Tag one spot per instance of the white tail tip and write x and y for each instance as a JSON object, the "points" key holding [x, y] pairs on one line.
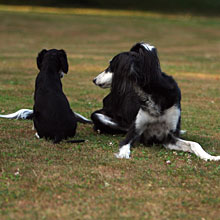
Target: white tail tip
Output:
{"points": [[20, 114]]}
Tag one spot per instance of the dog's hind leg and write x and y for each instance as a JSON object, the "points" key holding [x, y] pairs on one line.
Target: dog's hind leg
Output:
{"points": [[191, 147], [37, 136], [82, 119], [107, 124], [20, 114]]}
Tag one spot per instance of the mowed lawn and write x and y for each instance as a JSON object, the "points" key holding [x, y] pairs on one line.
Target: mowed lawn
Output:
{"points": [[40, 180]]}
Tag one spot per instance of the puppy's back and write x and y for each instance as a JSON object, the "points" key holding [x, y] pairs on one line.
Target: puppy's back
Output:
{"points": [[53, 117]]}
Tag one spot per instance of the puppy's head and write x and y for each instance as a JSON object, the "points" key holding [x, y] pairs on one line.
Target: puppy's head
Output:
{"points": [[57, 58]]}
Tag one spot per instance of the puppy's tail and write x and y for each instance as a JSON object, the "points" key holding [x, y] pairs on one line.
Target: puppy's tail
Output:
{"points": [[191, 147], [20, 114], [82, 119]]}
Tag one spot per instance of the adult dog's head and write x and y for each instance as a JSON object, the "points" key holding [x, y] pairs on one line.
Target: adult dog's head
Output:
{"points": [[55, 59], [140, 65]]}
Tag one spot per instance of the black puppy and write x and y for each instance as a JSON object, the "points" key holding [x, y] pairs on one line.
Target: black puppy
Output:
{"points": [[52, 115]]}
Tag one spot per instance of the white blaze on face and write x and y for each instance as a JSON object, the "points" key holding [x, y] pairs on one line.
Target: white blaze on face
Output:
{"points": [[148, 46], [104, 79]]}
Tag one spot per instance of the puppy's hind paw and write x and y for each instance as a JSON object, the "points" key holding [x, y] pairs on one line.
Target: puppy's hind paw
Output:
{"points": [[37, 136]]}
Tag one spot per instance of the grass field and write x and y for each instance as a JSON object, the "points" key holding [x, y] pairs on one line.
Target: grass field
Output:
{"points": [[39, 180]]}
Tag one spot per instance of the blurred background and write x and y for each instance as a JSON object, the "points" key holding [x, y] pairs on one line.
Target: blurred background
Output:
{"points": [[200, 7]]}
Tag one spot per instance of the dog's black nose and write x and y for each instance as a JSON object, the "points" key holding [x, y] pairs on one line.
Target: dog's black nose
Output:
{"points": [[94, 80]]}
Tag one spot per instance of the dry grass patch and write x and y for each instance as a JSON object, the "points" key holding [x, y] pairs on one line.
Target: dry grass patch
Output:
{"points": [[40, 180]]}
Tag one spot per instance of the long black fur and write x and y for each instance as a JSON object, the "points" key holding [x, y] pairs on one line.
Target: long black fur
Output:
{"points": [[138, 68], [157, 92], [121, 104], [162, 88], [52, 116]]}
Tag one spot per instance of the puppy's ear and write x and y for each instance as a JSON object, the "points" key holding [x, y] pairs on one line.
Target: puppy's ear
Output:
{"points": [[63, 61], [40, 58]]}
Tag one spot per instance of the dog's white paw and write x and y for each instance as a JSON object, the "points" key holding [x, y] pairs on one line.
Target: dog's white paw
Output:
{"points": [[124, 152], [37, 136], [122, 155]]}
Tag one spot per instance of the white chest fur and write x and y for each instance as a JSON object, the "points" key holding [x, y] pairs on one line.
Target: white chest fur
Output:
{"points": [[158, 125]]}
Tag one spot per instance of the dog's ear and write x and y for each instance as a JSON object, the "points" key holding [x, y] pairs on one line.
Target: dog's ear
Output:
{"points": [[134, 67], [40, 58], [63, 61], [125, 68]]}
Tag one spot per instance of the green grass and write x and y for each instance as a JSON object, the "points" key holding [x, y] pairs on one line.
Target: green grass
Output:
{"points": [[86, 181]]}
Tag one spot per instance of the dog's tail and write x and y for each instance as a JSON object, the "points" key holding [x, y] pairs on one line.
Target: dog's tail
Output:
{"points": [[28, 114], [191, 147], [82, 119], [20, 114]]}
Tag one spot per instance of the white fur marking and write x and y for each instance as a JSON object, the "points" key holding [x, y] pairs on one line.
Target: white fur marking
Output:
{"points": [[82, 117], [142, 120], [170, 118], [61, 74], [182, 132], [37, 136], [106, 120], [192, 147], [20, 114], [104, 79], [124, 152], [148, 46]]}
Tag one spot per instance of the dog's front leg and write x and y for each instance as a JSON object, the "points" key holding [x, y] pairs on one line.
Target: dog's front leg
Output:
{"points": [[125, 145], [137, 128]]}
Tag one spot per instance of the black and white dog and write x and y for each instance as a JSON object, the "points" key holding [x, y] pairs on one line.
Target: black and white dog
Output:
{"points": [[153, 103], [53, 118], [119, 107]]}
